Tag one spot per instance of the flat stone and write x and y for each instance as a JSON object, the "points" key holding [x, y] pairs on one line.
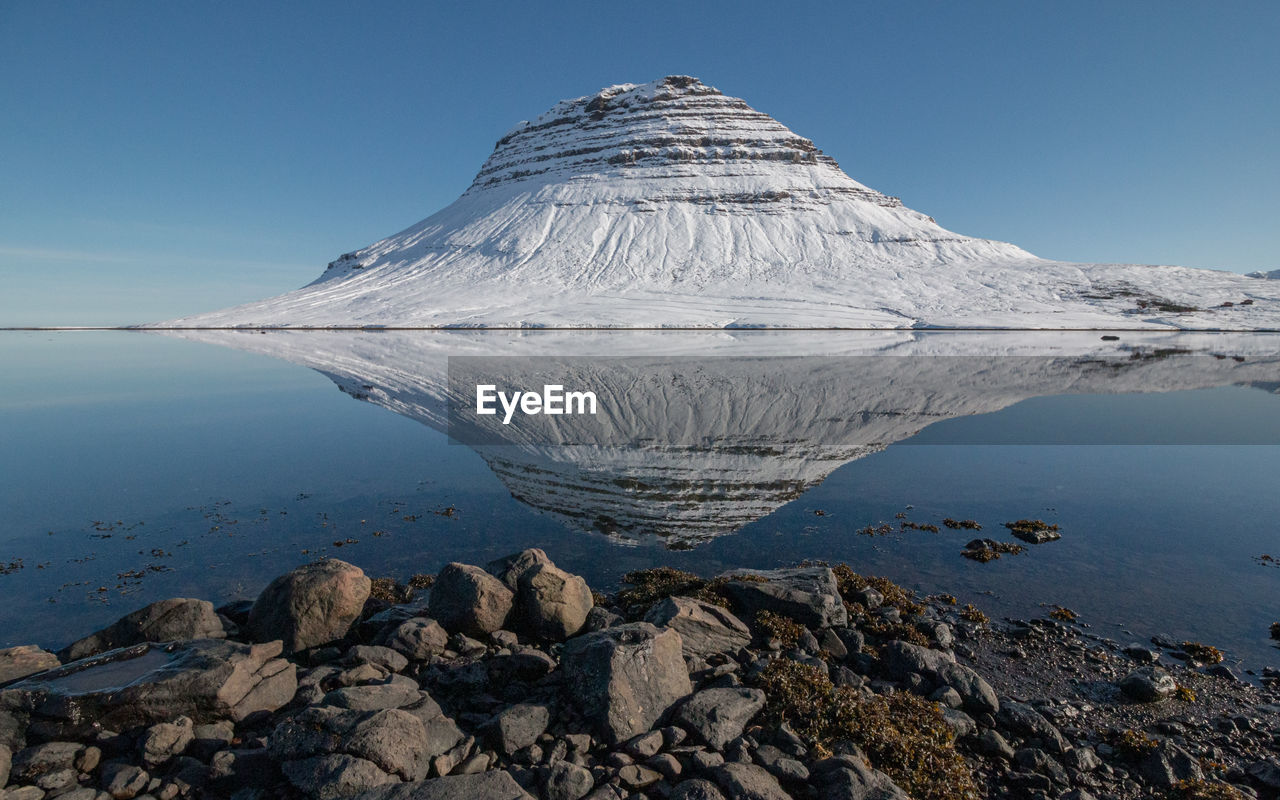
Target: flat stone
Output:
{"points": [[567, 781], [176, 619], [314, 605], [718, 716], [383, 657], [748, 782], [372, 697], [330, 777], [204, 679], [468, 600], [705, 629], [23, 660], [808, 595], [625, 678], [518, 726], [494, 785]]}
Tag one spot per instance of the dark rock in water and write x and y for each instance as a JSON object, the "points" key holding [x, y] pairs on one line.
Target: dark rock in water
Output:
{"points": [[718, 716], [748, 782], [314, 605], [705, 629], [176, 619], [492, 785], [516, 727], [510, 568], [205, 679], [808, 595], [1141, 653], [419, 638], [567, 781], [23, 660], [1148, 684], [552, 604], [468, 600], [331, 777], [696, 789], [625, 678]]}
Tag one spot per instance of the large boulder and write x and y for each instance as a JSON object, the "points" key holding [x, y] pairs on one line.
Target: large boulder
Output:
{"points": [[466, 599], [624, 678], [718, 716], [808, 595], [392, 739], [902, 659], [1148, 684], [314, 605], [205, 679], [492, 785], [508, 569], [176, 619], [705, 629], [551, 603], [23, 660]]}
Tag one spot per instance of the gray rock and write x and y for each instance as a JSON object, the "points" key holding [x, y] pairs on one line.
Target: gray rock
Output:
{"points": [[24, 793], [600, 618], [469, 600], [1036, 760], [1083, 759], [382, 657], [696, 789], [176, 619], [903, 659], [394, 740], [748, 782], [849, 778], [6, 763], [809, 595], [1266, 773], [123, 781], [205, 679], [1024, 720], [781, 765], [23, 660], [637, 776], [1148, 684], [900, 659], [567, 781], [625, 678], [494, 785], [551, 603], [510, 568], [165, 740], [1142, 653], [373, 697], [210, 738], [991, 743], [976, 694], [1168, 764], [718, 716], [314, 605], [518, 726], [330, 777], [705, 629], [32, 763], [527, 664], [960, 723], [645, 745], [419, 638]]}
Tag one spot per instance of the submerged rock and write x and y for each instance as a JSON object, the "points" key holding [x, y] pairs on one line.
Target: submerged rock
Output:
{"points": [[625, 678], [313, 605]]}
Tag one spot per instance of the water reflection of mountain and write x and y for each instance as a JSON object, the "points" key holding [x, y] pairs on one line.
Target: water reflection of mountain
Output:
{"points": [[697, 447]]}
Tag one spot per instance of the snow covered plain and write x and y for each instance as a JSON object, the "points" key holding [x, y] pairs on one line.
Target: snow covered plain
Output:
{"points": [[671, 205]]}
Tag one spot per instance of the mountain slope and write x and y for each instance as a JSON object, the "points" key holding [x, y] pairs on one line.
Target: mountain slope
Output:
{"points": [[670, 204]]}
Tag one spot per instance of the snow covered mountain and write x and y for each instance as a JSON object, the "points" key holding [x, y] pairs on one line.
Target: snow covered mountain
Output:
{"points": [[669, 204]]}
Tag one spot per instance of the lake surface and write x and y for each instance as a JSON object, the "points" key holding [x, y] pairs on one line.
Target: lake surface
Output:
{"points": [[139, 466]]}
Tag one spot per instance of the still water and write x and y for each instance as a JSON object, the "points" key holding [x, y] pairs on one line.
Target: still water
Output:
{"points": [[139, 466]]}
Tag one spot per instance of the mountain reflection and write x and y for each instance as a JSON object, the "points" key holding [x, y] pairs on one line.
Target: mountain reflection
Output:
{"points": [[701, 433]]}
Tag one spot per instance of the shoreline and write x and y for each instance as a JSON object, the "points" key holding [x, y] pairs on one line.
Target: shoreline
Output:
{"points": [[518, 681]]}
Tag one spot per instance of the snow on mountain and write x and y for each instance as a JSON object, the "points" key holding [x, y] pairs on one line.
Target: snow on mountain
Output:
{"points": [[669, 204]]}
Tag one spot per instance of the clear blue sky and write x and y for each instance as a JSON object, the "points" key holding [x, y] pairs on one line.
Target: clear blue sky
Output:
{"points": [[163, 158]]}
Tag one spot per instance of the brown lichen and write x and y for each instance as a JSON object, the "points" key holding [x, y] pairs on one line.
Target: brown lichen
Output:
{"points": [[1063, 614], [1134, 745], [971, 613], [902, 735], [1185, 694], [783, 630]]}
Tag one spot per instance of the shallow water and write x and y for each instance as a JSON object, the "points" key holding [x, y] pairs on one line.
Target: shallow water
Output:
{"points": [[140, 466]]}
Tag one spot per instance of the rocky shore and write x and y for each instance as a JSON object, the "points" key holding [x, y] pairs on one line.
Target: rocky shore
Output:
{"points": [[515, 680]]}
